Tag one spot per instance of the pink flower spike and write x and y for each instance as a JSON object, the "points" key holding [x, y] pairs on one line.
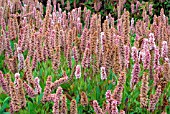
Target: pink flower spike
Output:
{"points": [[164, 50], [127, 55], [108, 95], [3, 82], [97, 108], [102, 40], [150, 9], [29, 90], [134, 53], [135, 74], [147, 58], [103, 73], [78, 71], [152, 41], [37, 86], [132, 8], [156, 57], [114, 109], [17, 76], [145, 44]]}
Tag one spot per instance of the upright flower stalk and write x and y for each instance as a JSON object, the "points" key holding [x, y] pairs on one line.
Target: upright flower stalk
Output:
{"points": [[73, 107], [84, 99], [117, 94], [3, 82], [78, 71], [155, 98], [97, 108], [20, 59], [63, 104], [144, 91], [56, 101], [135, 74], [103, 73]]}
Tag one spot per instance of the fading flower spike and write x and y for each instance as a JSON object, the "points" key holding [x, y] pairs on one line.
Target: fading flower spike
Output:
{"points": [[144, 91], [21, 93], [3, 82], [56, 100], [63, 105], [155, 98], [73, 107], [84, 99], [47, 89]]}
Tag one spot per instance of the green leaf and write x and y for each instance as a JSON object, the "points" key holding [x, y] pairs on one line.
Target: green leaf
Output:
{"points": [[97, 92], [5, 105]]}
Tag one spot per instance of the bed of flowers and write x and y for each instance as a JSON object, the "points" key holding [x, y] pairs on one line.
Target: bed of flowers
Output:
{"points": [[84, 57]]}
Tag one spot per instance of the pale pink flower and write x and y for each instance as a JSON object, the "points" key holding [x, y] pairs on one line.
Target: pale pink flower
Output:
{"points": [[164, 50], [145, 44], [147, 58], [103, 73], [152, 41], [127, 55], [135, 74], [150, 9], [17, 76], [134, 53], [108, 95], [132, 8], [97, 108], [114, 109], [37, 86], [3, 82], [156, 57], [78, 71]]}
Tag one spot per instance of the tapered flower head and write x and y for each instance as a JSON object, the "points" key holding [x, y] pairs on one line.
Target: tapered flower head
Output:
{"points": [[3, 82], [84, 99], [97, 108], [164, 50], [103, 73], [56, 100], [108, 95], [17, 76], [73, 107], [134, 53], [63, 104], [78, 71], [152, 41], [37, 85]]}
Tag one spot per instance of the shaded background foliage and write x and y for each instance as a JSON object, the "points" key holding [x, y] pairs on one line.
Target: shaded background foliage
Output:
{"points": [[110, 6]]}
